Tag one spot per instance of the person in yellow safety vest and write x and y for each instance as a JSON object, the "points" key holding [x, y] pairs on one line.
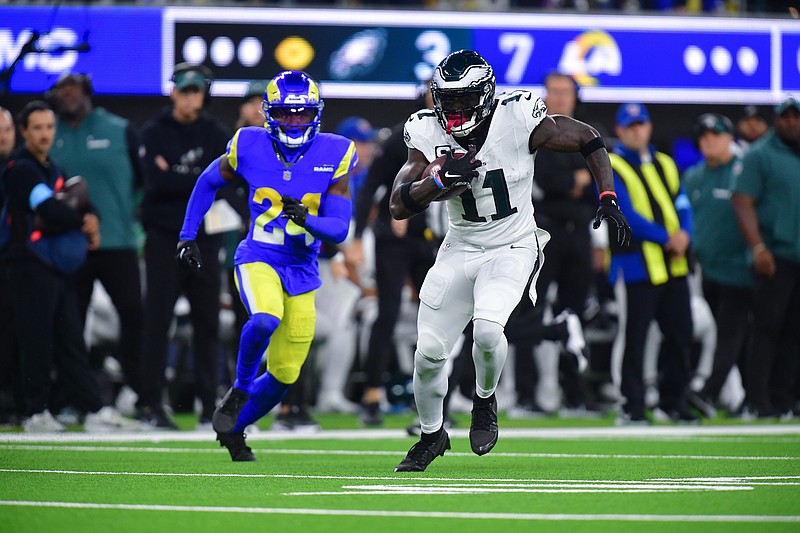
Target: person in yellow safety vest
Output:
{"points": [[653, 268]]}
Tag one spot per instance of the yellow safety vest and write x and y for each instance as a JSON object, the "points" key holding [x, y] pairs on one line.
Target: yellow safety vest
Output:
{"points": [[638, 188]]}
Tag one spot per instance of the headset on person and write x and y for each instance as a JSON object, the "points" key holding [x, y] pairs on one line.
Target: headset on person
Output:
{"points": [[208, 77]]}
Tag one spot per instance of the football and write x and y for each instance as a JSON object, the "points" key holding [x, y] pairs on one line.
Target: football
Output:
{"points": [[75, 193], [450, 192]]}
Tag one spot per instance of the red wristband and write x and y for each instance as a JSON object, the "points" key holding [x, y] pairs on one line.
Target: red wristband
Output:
{"points": [[606, 193]]}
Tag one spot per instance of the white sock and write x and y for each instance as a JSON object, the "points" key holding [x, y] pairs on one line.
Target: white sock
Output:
{"points": [[430, 387], [489, 352]]}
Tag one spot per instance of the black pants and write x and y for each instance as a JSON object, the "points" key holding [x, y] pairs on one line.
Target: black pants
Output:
{"points": [[396, 260], [165, 282], [10, 391], [670, 305], [732, 308], [568, 262], [118, 271], [48, 327], [772, 369]]}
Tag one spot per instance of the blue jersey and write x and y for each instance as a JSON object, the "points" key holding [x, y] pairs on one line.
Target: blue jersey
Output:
{"points": [[281, 243]]}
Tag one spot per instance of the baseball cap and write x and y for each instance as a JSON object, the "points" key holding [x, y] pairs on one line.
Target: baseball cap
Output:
{"points": [[190, 78], [752, 111], [254, 88], [712, 122], [790, 102], [627, 114], [356, 129]]}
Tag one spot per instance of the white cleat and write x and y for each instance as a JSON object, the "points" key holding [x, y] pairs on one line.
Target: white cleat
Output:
{"points": [[43, 422], [575, 342], [109, 419]]}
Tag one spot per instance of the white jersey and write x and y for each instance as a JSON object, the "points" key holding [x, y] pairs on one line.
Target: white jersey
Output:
{"points": [[497, 209]]}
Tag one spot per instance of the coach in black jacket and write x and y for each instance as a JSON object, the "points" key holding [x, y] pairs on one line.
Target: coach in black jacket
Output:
{"points": [[46, 243], [179, 142]]}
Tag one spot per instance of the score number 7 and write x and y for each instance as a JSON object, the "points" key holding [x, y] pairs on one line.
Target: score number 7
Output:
{"points": [[520, 46]]}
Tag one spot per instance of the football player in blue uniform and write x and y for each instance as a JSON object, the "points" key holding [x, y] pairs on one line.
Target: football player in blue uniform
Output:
{"points": [[299, 196]]}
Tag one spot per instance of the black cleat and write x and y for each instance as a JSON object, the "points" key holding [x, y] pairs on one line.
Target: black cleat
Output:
{"points": [[371, 414], [422, 454], [224, 418], [156, 418], [483, 429], [236, 445]]}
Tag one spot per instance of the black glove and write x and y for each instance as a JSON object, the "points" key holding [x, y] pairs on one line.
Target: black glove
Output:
{"points": [[294, 210], [459, 171], [610, 209], [188, 255]]}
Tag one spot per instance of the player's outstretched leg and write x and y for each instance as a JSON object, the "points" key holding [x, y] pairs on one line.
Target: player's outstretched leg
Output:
{"points": [[237, 447], [224, 418], [429, 447], [483, 429]]}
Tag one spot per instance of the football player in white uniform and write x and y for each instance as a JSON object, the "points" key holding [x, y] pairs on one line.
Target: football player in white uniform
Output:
{"points": [[492, 247]]}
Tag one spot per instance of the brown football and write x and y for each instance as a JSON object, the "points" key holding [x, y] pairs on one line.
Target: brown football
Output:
{"points": [[450, 192], [75, 193]]}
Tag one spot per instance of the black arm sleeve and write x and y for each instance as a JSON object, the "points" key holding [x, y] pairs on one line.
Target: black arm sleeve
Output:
{"points": [[57, 217]]}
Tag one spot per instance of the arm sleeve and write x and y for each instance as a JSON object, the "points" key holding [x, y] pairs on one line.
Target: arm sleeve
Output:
{"points": [[641, 228], [24, 183], [201, 199], [134, 154], [333, 221]]}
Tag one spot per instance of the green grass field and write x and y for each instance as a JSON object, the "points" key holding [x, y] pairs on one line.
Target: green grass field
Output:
{"points": [[589, 477]]}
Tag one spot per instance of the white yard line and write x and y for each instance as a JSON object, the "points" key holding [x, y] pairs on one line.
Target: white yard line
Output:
{"points": [[528, 455], [655, 432], [407, 481], [414, 514]]}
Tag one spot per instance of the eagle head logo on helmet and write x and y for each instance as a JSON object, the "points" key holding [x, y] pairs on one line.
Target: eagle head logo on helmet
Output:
{"points": [[462, 87], [293, 109]]}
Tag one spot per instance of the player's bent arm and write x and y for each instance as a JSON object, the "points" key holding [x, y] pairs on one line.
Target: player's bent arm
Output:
{"points": [[216, 175], [411, 192], [561, 133], [333, 221]]}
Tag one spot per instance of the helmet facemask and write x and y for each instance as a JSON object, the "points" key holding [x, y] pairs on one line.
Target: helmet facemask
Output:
{"points": [[462, 87]]}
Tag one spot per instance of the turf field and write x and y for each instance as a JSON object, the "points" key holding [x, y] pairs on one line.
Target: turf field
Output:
{"points": [[591, 478]]}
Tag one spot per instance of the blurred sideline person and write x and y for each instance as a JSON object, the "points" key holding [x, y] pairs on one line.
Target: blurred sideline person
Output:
{"points": [[751, 126], [721, 251], [9, 363], [766, 200], [492, 247], [565, 210], [298, 181], [404, 251], [179, 142], [48, 242], [250, 112], [654, 268], [104, 149]]}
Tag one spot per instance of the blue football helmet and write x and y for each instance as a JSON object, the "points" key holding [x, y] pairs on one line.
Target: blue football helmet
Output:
{"points": [[293, 109]]}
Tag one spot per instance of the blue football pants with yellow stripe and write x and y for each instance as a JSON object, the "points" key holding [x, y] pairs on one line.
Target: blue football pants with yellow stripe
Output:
{"points": [[281, 326]]}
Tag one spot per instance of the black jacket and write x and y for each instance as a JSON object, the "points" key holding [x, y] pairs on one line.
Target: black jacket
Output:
{"points": [[188, 149], [23, 172]]}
